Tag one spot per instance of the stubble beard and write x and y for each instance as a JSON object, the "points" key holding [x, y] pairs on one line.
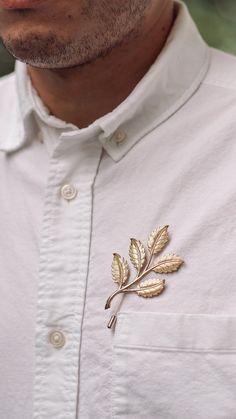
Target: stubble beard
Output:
{"points": [[114, 27]]}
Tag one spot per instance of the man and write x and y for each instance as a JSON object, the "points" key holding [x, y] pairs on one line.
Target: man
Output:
{"points": [[118, 122]]}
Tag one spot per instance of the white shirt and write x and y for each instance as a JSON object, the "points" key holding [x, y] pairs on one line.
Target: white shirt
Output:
{"points": [[166, 155]]}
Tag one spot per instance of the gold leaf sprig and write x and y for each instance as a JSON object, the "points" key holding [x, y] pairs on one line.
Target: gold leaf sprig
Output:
{"points": [[138, 257]]}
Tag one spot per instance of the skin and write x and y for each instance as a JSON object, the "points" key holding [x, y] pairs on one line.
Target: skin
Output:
{"points": [[85, 57]]}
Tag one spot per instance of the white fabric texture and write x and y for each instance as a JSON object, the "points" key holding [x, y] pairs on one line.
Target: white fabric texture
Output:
{"points": [[168, 357]]}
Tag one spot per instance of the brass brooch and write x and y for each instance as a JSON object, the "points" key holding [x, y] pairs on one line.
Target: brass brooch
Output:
{"points": [[138, 257]]}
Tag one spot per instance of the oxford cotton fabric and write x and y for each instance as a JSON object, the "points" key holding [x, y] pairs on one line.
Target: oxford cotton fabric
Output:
{"points": [[171, 357]]}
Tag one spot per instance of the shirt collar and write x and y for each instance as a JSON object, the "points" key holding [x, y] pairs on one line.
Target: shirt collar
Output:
{"points": [[171, 81]]}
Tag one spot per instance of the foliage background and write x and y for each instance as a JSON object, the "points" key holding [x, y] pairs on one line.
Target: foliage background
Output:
{"points": [[216, 20]]}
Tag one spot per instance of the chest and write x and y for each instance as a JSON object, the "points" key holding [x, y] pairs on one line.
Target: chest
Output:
{"points": [[55, 272]]}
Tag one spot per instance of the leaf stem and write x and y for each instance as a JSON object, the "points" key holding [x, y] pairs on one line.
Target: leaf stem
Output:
{"points": [[126, 287]]}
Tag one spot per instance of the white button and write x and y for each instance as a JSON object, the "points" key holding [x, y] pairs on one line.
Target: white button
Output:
{"points": [[57, 339], [68, 192], [120, 137]]}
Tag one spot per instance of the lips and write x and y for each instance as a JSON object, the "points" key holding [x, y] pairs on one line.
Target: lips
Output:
{"points": [[19, 4]]}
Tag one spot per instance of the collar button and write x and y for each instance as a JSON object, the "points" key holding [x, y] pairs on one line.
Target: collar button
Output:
{"points": [[119, 137]]}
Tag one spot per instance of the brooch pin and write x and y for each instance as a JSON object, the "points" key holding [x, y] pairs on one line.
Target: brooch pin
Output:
{"points": [[138, 256]]}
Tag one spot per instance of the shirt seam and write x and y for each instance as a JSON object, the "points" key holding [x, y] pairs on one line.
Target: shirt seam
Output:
{"points": [[174, 349]]}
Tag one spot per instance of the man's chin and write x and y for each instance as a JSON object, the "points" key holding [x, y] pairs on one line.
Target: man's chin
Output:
{"points": [[39, 51]]}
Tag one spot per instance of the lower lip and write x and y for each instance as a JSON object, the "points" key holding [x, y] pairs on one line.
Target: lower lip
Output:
{"points": [[19, 4]]}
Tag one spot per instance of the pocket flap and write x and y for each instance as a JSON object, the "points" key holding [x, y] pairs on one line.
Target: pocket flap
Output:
{"points": [[190, 332]]}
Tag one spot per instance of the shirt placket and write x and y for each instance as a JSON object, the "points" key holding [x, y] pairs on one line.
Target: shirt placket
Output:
{"points": [[64, 260]]}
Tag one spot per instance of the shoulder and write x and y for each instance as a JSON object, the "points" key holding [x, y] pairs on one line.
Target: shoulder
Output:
{"points": [[7, 81], [222, 71], [7, 89], [10, 121]]}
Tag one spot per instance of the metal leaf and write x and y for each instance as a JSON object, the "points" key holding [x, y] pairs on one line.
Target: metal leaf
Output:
{"points": [[120, 269], [168, 264], [158, 239], [137, 254], [151, 288]]}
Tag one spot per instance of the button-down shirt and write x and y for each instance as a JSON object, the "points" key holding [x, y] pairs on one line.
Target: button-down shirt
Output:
{"points": [[71, 197]]}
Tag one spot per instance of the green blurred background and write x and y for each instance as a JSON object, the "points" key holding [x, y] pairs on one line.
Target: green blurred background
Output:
{"points": [[216, 20]]}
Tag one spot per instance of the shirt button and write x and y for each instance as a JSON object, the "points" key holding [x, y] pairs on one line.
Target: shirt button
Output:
{"points": [[120, 137], [57, 339], [68, 192]]}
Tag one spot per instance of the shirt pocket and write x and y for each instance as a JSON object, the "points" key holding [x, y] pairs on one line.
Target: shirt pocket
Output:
{"points": [[174, 366]]}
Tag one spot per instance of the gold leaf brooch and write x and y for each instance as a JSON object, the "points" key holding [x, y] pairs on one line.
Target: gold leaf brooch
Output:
{"points": [[138, 257]]}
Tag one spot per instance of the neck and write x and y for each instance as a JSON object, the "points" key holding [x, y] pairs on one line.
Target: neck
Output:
{"points": [[80, 95]]}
